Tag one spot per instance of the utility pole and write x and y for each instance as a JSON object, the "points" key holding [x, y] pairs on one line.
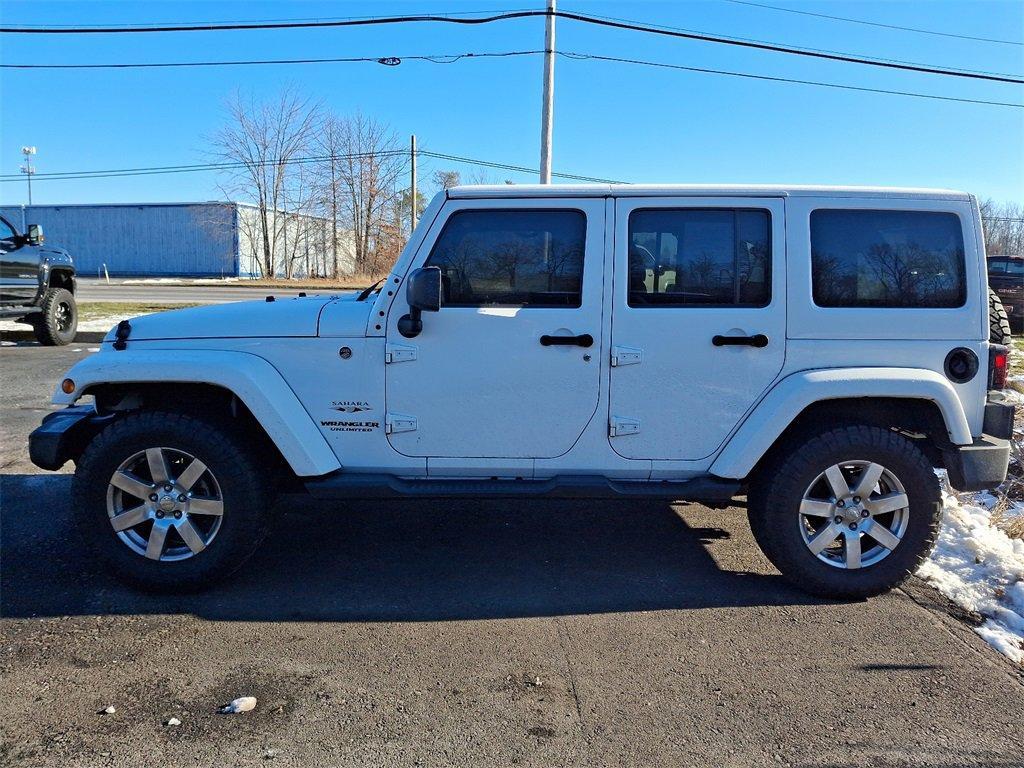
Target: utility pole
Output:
{"points": [[548, 99], [27, 168], [412, 187]]}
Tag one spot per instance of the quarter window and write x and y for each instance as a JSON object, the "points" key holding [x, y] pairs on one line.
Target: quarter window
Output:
{"points": [[512, 258], [864, 258], [699, 257]]}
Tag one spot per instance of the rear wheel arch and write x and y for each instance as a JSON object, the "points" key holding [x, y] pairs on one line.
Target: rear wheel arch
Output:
{"points": [[918, 419]]}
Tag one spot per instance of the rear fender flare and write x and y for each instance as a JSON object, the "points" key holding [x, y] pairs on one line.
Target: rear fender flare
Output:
{"points": [[790, 396], [250, 378]]}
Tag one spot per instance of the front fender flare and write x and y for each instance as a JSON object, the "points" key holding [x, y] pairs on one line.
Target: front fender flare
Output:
{"points": [[790, 396], [250, 378]]}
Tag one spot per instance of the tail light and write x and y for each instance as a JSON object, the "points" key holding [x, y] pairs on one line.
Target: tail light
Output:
{"points": [[998, 365]]}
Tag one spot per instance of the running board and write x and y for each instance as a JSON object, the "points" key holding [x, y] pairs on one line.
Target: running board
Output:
{"points": [[712, 491]]}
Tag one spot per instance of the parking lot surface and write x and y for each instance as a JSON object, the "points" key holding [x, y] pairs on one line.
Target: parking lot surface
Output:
{"points": [[482, 633]]}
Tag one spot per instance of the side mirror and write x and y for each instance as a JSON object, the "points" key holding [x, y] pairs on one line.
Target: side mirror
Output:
{"points": [[423, 292], [34, 235]]}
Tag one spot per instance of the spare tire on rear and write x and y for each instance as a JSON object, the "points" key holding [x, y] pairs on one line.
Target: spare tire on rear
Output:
{"points": [[998, 320]]}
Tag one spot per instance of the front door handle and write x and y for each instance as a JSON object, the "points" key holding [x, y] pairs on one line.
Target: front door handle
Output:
{"points": [[583, 340], [758, 340]]}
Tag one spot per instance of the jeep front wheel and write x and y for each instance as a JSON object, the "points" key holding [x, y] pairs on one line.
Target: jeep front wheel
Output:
{"points": [[57, 324], [171, 502], [849, 513]]}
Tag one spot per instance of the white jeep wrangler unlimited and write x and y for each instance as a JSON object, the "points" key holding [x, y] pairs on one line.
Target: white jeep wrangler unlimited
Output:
{"points": [[817, 350]]}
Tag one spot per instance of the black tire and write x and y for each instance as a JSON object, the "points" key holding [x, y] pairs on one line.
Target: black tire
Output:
{"points": [[778, 490], [241, 480], [58, 322], [998, 320]]}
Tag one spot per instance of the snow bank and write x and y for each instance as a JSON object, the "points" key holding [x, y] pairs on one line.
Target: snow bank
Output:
{"points": [[979, 567]]}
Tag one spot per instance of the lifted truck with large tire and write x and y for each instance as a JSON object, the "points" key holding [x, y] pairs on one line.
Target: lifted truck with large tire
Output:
{"points": [[819, 351], [37, 285]]}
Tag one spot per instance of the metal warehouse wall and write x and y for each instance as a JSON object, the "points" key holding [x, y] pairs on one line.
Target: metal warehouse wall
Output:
{"points": [[145, 239]]}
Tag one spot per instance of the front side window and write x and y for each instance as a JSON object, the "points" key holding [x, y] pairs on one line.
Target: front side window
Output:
{"points": [[512, 258], [683, 257], [864, 258], [6, 231]]}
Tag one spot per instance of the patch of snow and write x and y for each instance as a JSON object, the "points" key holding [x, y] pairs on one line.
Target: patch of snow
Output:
{"points": [[102, 324], [980, 568]]}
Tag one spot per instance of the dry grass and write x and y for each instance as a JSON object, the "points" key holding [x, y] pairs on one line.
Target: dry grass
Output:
{"points": [[348, 282]]}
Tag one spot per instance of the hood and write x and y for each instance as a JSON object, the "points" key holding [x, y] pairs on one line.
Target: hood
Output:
{"points": [[284, 317]]}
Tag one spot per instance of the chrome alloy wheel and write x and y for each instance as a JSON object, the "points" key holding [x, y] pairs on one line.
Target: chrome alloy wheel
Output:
{"points": [[63, 317], [854, 514], [165, 504]]}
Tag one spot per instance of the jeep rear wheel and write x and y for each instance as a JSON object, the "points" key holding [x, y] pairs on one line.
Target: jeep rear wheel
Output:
{"points": [[57, 324], [849, 513], [171, 502]]}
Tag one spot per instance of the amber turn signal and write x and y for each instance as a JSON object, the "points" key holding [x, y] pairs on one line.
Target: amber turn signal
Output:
{"points": [[67, 386]]}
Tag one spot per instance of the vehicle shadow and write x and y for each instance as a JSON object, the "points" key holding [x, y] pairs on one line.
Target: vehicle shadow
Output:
{"points": [[406, 560]]}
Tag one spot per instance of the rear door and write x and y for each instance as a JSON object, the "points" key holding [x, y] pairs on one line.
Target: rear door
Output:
{"points": [[698, 320]]}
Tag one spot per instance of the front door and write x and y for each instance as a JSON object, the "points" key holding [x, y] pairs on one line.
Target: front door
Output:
{"points": [[698, 320], [19, 266], [509, 367]]}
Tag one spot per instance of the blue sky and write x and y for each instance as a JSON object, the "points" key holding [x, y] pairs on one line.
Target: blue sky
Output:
{"points": [[611, 120]]}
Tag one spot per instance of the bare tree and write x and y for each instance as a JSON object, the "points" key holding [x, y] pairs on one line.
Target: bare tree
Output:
{"points": [[330, 190], [370, 163], [1004, 227], [264, 140]]}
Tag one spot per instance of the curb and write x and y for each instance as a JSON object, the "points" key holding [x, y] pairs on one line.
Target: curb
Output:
{"points": [[82, 337]]}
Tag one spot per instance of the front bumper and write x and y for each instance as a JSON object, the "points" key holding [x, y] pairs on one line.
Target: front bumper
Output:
{"points": [[982, 465], [63, 435]]}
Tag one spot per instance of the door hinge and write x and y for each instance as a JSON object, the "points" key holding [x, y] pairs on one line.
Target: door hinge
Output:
{"points": [[618, 426], [399, 353], [397, 422], [626, 356]]}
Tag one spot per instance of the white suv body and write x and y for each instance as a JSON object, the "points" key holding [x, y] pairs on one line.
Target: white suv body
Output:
{"points": [[593, 340]]}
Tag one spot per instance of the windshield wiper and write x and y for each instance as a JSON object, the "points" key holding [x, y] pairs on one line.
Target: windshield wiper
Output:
{"points": [[362, 296]]}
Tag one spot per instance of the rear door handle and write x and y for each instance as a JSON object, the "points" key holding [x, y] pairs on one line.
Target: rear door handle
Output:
{"points": [[583, 340], [757, 340]]}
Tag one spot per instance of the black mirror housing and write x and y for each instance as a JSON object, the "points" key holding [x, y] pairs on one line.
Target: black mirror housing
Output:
{"points": [[34, 236], [423, 292]]}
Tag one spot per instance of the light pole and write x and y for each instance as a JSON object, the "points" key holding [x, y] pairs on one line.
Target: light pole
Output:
{"points": [[27, 168], [548, 99]]}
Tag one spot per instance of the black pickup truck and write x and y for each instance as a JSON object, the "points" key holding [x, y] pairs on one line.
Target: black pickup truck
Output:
{"points": [[37, 284]]}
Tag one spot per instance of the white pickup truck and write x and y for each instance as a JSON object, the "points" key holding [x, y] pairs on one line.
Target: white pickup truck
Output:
{"points": [[817, 350]]}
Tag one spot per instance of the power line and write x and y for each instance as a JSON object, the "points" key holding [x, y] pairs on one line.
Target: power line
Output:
{"points": [[206, 167], [582, 18], [876, 23], [794, 47], [258, 21], [452, 58], [817, 83], [391, 61]]}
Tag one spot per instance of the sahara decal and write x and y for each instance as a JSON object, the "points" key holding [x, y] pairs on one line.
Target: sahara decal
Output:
{"points": [[350, 406]]}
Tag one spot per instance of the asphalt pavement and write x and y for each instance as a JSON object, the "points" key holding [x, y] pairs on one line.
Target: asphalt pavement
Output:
{"points": [[471, 633]]}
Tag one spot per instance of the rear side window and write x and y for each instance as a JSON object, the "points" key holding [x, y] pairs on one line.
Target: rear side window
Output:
{"points": [[512, 258], [864, 258], [682, 257]]}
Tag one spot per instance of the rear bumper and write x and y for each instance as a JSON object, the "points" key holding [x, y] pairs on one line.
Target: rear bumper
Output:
{"points": [[63, 435], [980, 466]]}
